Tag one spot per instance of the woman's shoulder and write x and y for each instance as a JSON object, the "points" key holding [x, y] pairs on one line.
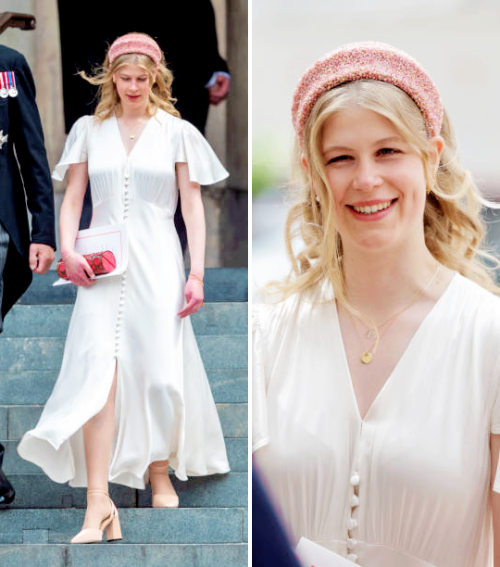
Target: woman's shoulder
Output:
{"points": [[175, 127], [83, 123], [165, 118], [176, 123], [475, 297], [87, 124], [271, 312], [474, 308]]}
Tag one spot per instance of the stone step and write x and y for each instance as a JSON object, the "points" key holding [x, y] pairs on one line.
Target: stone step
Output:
{"points": [[53, 320], [237, 453], [35, 386], [38, 491], [19, 354], [143, 526], [16, 420], [122, 555], [221, 284]]}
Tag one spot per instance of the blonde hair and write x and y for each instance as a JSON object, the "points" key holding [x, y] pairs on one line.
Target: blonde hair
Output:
{"points": [[160, 93], [453, 228]]}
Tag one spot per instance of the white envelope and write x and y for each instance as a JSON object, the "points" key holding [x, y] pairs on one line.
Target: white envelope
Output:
{"points": [[312, 554], [110, 237]]}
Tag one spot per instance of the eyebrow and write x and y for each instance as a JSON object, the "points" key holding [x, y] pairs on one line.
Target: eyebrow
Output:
{"points": [[377, 143]]}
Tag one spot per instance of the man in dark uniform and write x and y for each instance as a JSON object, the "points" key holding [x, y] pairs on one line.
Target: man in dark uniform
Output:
{"points": [[24, 180], [270, 544]]}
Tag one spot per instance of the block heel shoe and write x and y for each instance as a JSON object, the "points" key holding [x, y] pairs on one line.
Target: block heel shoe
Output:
{"points": [[110, 525]]}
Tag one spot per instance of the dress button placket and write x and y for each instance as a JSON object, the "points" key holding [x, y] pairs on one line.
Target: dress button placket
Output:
{"points": [[352, 523], [121, 303]]}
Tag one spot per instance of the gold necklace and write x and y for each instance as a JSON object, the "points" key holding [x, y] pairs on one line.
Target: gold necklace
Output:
{"points": [[367, 355], [131, 131]]}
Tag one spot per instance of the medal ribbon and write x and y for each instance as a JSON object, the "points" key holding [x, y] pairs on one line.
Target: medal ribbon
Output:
{"points": [[12, 80], [3, 82]]}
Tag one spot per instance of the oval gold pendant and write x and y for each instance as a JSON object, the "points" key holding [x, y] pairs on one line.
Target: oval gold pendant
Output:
{"points": [[366, 357]]}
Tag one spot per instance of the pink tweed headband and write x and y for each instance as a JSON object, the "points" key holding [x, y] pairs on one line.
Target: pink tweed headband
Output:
{"points": [[367, 60], [135, 43]]}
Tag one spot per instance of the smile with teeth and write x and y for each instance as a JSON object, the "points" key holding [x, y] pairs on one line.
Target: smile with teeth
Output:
{"points": [[370, 209]]}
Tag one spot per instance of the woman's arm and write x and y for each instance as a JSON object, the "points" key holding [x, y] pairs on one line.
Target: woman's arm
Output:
{"points": [[77, 267], [495, 497], [194, 217]]}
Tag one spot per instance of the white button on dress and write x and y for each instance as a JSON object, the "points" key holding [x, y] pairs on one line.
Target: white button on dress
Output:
{"points": [[164, 407], [408, 486]]}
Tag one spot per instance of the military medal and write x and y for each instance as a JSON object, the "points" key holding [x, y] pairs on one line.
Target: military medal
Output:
{"points": [[12, 84], [4, 93]]}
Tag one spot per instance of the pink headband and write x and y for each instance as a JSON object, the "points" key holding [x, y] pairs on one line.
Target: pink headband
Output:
{"points": [[367, 60], [135, 43]]}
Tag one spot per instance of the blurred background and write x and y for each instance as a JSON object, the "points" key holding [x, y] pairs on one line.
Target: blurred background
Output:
{"points": [[456, 41]]}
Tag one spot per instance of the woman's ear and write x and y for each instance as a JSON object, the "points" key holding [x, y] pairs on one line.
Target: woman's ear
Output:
{"points": [[437, 146], [304, 163], [153, 76]]}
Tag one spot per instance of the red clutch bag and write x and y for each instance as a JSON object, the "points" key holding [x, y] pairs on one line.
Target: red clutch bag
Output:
{"points": [[100, 262]]}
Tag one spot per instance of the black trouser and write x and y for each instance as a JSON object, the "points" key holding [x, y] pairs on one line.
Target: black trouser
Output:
{"points": [[4, 247]]}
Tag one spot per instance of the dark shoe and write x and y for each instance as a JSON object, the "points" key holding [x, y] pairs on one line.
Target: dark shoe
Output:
{"points": [[7, 493]]}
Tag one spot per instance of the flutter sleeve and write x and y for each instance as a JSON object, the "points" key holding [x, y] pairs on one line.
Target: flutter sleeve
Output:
{"points": [[192, 148], [260, 433], [75, 149]]}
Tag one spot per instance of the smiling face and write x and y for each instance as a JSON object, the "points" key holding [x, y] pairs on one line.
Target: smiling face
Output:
{"points": [[376, 178], [132, 85]]}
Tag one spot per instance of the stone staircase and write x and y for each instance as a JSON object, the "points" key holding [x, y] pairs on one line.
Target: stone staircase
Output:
{"points": [[210, 527]]}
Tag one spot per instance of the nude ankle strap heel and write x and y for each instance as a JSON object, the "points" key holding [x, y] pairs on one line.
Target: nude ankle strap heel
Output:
{"points": [[113, 530], [111, 524]]}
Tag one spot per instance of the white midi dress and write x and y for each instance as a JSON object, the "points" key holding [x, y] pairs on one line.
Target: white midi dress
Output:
{"points": [[408, 485], [164, 408]]}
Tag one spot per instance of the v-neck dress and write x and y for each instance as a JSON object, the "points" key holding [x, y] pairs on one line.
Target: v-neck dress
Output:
{"points": [[407, 486], [164, 408]]}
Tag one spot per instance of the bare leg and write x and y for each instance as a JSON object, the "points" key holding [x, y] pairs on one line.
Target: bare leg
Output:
{"points": [[97, 437], [164, 495]]}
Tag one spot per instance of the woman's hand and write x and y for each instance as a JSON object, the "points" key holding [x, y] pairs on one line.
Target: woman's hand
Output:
{"points": [[193, 292], [78, 270]]}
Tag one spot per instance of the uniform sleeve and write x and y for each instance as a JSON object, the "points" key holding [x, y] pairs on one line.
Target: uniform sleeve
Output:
{"points": [[27, 134], [260, 432], [192, 148], [75, 149]]}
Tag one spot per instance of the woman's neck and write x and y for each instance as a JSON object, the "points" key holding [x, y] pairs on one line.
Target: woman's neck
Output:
{"points": [[379, 283], [130, 114]]}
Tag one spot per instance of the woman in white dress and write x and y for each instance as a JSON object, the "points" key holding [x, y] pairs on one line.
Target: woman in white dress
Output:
{"points": [[377, 366], [132, 396]]}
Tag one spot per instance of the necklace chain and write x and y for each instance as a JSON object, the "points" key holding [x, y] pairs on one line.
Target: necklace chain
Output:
{"points": [[374, 330], [132, 130]]}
